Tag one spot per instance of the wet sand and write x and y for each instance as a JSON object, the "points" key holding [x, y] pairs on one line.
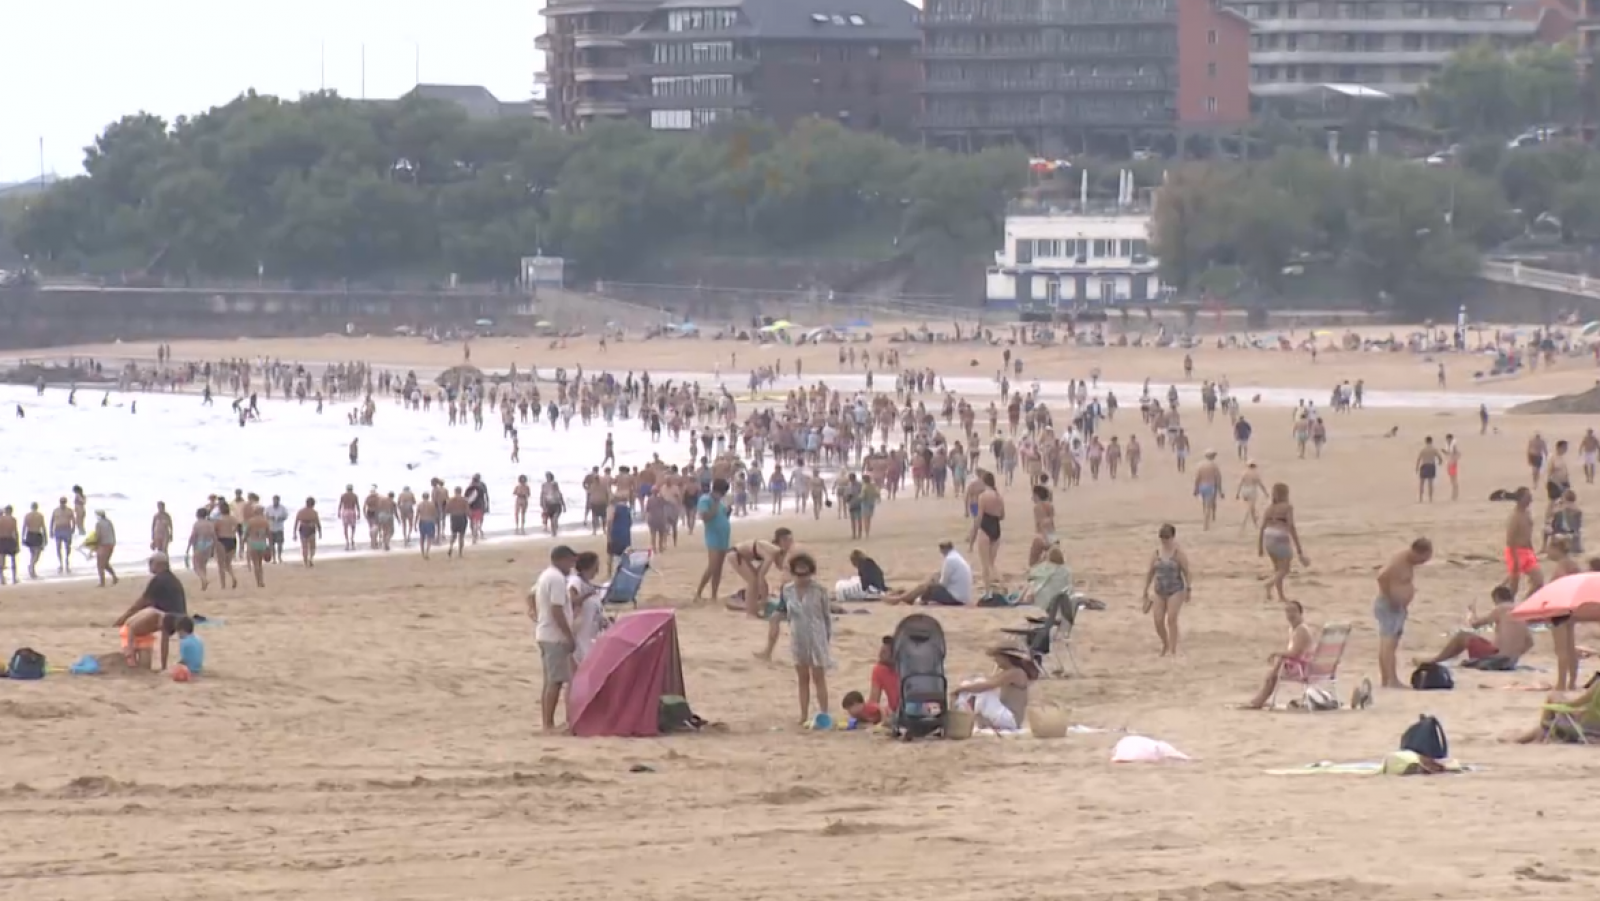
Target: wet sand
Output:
{"points": [[371, 729]]}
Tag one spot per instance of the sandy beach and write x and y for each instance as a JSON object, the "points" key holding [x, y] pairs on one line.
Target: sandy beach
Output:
{"points": [[369, 729]]}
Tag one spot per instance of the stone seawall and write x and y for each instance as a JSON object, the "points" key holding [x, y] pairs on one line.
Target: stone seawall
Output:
{"points": [[48, 317]]}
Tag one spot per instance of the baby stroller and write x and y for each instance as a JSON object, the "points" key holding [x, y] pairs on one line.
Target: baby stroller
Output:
{"points": [[918, 647]]}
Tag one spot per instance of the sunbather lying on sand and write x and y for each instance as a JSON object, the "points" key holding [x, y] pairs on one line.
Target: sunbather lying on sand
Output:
{"points": [[1511, 637]]}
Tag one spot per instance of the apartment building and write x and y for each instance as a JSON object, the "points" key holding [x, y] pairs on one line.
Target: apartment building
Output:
{"points": [[586, 59], [1392, 46], [1062, 76], [684, 64]]}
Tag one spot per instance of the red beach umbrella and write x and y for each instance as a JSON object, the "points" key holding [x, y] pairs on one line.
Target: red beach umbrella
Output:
{"points": [[1577, 596]]}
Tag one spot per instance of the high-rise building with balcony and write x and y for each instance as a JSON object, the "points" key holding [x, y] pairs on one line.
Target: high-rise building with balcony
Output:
{"points": [[586, 59], [1064, 76], [1393, 46], [851, 61], [682, 64]]}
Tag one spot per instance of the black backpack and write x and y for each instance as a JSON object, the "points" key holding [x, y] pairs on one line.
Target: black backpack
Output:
{"points": [[26, 663], [1432, 677], [1426, 737]]}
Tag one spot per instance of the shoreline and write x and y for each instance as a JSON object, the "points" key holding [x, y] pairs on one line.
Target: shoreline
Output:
{"points": [[1053, 389]]}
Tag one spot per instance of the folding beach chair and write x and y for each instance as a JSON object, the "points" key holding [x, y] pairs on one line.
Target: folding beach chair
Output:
{"points": [[628, 579], [1568, 723], [1048, 637], [1321, 668]]}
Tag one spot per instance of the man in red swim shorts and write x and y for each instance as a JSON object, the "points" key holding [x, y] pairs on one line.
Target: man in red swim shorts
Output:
{"points": [[1521, 560]]}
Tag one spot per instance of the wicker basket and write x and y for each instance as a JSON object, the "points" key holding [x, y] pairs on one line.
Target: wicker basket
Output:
{"points": [[958, 724], [1047, 721]]}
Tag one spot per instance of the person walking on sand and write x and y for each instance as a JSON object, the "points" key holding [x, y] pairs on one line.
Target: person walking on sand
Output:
{"points": [[427, 523], [991, 513], [1208, 487], [1279, 539], [308, 529], [1589, 453], [33, 536], [161, 529], [1397, 588], [202, 544], [62, 529], [1169, 576], [10, 544], [105, 543], [713, 512], [1520, 557], [1452, 465], [1427, 468], [257, 543], [459, 510], [1250, 488], [349, 515]]}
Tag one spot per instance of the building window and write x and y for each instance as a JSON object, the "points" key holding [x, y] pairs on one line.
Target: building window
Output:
{"points": [[1102, 247], [685, 119], [678, 52], [701, 19], [1211, 37], [1211, 104], [1211, 70], [693, 86]]}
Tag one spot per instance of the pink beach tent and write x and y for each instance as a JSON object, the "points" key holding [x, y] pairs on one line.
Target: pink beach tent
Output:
{"points": [[618, 687]]}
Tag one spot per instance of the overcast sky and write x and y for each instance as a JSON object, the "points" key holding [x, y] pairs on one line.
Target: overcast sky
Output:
{"points": [[68, 71]]}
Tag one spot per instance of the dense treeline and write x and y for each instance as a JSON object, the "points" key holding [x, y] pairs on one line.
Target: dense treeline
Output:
{"points": [[1408, 233], [329, 188]]}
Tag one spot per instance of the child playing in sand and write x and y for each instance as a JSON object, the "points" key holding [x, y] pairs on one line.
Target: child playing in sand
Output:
{"points": [[191, 650], [860, 711]]}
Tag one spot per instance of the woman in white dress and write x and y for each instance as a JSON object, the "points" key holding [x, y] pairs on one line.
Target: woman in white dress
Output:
{"points": [[587, 604], [804, 603]]}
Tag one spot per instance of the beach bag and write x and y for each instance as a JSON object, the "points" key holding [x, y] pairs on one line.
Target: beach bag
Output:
{"points": [[1426, 737], [674, 716], [1432, 677], [26, 663]]}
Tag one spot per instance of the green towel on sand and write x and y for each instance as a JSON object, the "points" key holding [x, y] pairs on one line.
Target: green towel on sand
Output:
{"points": [[1397, 763]]}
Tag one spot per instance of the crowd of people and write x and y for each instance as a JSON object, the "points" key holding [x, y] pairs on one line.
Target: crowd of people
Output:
{"points": [[799, 453]]}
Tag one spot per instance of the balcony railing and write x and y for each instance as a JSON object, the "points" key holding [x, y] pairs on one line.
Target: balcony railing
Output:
{"points": [[973, 120], [1106, 83], [1350, 57], [1074, 50], [600, 73], [696, 101], [1108, 15], [1436, 25], [700, 67]]}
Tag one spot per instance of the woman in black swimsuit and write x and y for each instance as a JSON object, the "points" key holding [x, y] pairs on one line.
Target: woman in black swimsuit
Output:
{"points": [[991, 511], [752, 559]]}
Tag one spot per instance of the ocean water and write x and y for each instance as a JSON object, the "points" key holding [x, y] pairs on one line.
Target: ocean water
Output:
{"points": [[176, 450]]}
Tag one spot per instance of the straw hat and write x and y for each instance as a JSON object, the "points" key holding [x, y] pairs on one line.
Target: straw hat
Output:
{"points": [[1020, 657]]}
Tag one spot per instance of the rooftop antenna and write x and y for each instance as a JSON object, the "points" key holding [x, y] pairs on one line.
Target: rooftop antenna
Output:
{"points": [[416, 73], [1083, 188], [322, 69]]}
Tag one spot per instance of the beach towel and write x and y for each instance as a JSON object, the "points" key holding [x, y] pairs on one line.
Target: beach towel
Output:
{"points": [[1397, 763], [850, 590]]}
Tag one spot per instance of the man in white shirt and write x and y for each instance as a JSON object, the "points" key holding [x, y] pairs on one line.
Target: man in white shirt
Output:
{"points": [[277, 515], [552, 616], [952, 587]]}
